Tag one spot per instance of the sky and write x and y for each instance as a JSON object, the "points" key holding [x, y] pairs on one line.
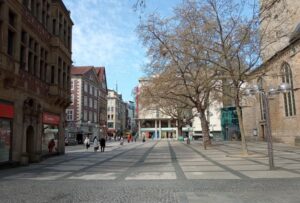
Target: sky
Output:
{"points": [[104, 34]]}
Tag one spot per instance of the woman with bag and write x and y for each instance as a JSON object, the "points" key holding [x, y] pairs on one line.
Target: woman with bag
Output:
{"points": [[95, 144], [87, 142]]}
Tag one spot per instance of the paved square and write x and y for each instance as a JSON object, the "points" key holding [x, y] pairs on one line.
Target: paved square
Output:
{"points": [[152, 176], [210, 175]]}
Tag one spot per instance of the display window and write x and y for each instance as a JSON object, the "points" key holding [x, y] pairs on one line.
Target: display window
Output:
{"points": [[50, 133], [5, 139], [49, 139]]}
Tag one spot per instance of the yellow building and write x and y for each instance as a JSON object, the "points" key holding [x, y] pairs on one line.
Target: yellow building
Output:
{"points": [[35, 64]]}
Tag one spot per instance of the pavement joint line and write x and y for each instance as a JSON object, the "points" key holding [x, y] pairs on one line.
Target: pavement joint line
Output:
{"points": [[179, 172], [133, 168], [292, 159], [262, 163], [43, 165], [100, 162], [240, 175]]}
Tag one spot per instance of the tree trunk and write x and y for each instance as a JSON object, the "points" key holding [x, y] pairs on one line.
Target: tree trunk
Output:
{"points": [[241, 125], [205, 129], [179, 128]]}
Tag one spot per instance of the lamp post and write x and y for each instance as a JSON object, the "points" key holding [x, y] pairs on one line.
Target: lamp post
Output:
{"points": [[282, 88]]}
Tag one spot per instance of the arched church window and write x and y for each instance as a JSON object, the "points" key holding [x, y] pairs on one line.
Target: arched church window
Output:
{"points": [[261, 84], [288, 97]]}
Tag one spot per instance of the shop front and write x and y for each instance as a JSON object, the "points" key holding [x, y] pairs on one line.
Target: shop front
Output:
{"points": [[50, 133], [6, 120]]}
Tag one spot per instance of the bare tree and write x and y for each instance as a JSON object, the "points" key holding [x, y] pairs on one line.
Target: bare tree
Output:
{"points": [[218, 40], [174, 47], [232, 43]]}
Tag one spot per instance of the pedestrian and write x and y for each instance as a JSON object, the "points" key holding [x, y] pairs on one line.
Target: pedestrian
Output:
{"points": [[102, 144], [95, 144], [121, 140], [51, 145], [87, 142], [144, 139], [128, 138]]}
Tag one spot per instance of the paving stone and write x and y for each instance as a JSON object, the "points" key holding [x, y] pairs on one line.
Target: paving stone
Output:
{"points": [[202, 168], [39, 176], [210, 175], [270, 174], [252, 167], [152, 176], [95, 176]]}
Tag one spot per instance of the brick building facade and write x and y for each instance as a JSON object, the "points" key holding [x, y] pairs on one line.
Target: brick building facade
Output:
{"points": [[35, 63], [85, 115]]}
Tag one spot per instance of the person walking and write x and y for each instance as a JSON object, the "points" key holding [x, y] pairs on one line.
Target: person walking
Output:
{"points": [[102, 144], [51, 145], [95, 144], [87, 142]]}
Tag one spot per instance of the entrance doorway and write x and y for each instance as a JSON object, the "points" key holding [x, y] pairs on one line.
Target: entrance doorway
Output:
{"points": [[262, 132], [30, 141], [79, 138]]}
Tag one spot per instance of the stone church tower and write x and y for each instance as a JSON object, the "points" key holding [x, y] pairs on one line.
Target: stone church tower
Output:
{"points": [[280, 36], [279, 20]]}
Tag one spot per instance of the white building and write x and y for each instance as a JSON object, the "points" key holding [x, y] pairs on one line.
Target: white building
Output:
{"points": [[153, 124], [116, 113]]}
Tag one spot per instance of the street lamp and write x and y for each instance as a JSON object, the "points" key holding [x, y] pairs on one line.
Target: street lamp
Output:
{"points": [[255, 89]]}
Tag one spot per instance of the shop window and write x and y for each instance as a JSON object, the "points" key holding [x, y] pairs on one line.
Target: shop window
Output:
{"points": [[5, 140], [50, 135]]}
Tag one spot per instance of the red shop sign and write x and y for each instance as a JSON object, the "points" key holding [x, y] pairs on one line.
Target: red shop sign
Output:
{"points": [[6, 110], [50, 118]]}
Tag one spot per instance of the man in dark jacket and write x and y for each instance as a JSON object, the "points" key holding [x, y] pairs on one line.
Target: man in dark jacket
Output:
{"points": [[102, 144]]}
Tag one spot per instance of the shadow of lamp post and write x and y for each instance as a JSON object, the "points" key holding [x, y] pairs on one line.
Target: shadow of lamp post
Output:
{"points": [[255, 89]]}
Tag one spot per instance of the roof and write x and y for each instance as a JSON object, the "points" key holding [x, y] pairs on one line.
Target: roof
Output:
{"points": [[80, 70], [295, 34], [100, 72]]}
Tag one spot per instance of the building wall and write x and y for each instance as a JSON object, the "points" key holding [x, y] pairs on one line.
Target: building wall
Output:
{"points": [[115, 101], [34, 74], [284, 128], [214, 119], [279, 22]]}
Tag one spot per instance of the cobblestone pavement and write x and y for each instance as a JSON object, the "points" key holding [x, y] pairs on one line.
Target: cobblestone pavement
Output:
{"points": [[158, 171]]}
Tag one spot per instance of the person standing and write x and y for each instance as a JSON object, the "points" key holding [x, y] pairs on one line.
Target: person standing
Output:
{"points": [[87, 142], [95, 144], [51, 145], [102, 144]]}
